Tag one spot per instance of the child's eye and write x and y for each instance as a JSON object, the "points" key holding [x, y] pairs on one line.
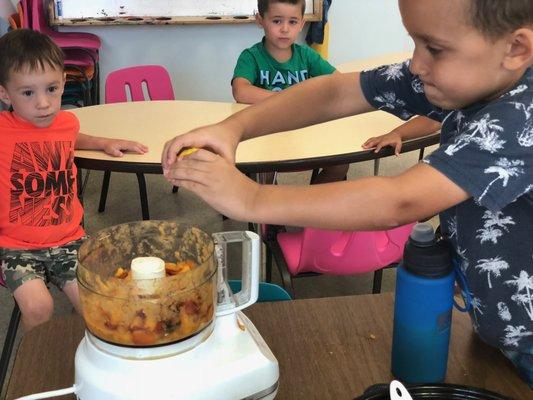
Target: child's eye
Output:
{"points": [[52, 89], [293, 22], [276, 21], [432, 50], [27, 93]]}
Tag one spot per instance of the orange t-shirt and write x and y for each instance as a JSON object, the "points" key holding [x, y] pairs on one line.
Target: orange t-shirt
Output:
{"points": [[39, 206]]}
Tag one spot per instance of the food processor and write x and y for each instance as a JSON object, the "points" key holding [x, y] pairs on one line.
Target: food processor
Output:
{"points": [[161, 320]]}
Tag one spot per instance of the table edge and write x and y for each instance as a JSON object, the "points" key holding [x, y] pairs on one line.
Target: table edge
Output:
{"points": [[264, 166]]}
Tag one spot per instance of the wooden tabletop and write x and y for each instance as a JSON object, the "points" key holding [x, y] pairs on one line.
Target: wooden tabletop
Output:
{"points": [[155, 122], [330, 348]]}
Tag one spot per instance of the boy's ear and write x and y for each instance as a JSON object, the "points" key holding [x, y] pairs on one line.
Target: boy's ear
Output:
{"points": [[520, 49], [258, 20], [4, 96]]}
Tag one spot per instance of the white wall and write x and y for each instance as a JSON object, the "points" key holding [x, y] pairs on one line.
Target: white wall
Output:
{"points": [[365, 28], [6, 9], [201, 58]]}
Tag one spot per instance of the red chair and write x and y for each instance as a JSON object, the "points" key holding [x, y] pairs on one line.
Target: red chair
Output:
{"points": [[317, 251], [131, 80], [9, 341]]}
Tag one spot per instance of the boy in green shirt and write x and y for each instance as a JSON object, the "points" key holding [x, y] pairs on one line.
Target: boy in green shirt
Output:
{"points": [[277, 62]]}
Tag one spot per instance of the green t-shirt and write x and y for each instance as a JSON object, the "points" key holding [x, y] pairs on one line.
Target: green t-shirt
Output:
{"points": [[262, 70]]}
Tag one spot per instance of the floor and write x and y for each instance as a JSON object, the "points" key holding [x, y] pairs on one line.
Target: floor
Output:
{"points": [[123, 205]]}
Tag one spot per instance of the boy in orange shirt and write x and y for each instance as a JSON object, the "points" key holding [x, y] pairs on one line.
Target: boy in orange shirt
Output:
{"points": [[40, 213]]}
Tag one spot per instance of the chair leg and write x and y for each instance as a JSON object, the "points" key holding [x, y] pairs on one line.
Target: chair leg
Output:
{"points": [[421, 154], [314, 175], [376, 167], [286, 278], [376, 285], [144, 196], [9, 342], [268, 264], [103, 193]]}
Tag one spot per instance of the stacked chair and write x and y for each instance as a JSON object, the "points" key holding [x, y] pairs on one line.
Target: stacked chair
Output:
{"points": [[81, 54]]}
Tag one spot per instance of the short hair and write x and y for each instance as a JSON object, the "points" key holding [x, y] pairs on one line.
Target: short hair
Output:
{"points": [[495, 18], [24, 48], [262, 5]]}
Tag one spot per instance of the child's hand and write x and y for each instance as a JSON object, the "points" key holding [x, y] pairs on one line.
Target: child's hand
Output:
{"points": [[219, 138], [117, 147], [216, 181], [392, 139]]}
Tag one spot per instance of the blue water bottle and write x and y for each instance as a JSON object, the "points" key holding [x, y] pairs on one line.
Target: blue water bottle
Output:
{"points": [[423, 309]]}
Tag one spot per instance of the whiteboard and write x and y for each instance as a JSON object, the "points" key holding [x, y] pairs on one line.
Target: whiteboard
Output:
{"points": [[72, 9]]}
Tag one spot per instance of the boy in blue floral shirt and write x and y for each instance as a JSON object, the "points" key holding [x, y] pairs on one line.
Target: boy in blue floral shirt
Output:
{"points": [[472, 71]]}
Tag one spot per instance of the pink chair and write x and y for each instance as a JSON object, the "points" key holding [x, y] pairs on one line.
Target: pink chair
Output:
{"points": [[64, 40], [318, 251], [155, 77], [118, 83], [81, 49]]}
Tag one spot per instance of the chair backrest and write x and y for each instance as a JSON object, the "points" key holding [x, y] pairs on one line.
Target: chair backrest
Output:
{"points": [[37, 16], [346, 253], [23, 8], [155, 77]]}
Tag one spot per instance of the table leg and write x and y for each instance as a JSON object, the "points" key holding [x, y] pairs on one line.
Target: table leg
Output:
{"points": [[144, 196]]}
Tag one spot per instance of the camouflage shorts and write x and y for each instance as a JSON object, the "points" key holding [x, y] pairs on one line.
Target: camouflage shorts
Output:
{"points": [[56, 265]]}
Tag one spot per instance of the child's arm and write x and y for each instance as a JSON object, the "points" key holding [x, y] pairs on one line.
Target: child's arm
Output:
{"points": [[412, 129], [310, 102], [113, 147], [246, 93], [372, 203]]}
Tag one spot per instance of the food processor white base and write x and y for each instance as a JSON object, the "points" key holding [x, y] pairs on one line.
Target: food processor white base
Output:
{"points": [[234, 362]]}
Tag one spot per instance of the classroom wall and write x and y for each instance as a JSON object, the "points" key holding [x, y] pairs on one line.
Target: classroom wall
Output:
{"points": [[6, 8], [201, 58]]}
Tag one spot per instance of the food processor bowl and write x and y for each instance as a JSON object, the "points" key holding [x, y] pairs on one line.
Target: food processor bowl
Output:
{"points": [[128, 307]]}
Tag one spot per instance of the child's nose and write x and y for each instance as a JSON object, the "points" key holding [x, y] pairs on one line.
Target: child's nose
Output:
{"points": [[417, 65], [43, 101]]}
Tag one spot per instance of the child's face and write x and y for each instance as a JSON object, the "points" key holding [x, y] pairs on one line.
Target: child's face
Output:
{"points": [[282, 23], [34, 95], [457, 64]]}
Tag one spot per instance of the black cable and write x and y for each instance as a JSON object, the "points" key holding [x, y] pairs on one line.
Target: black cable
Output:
{"points": [[436, 391]]}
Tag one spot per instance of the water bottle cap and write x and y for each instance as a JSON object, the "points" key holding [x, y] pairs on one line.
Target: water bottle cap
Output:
{"points": [[424, 256], [422, 235]]}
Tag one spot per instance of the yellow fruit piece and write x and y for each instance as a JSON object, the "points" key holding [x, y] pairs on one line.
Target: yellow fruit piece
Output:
{"points": [[188, 151]]}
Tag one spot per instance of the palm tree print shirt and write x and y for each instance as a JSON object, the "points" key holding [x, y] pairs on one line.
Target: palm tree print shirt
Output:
{"points": [[486, 149]]}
